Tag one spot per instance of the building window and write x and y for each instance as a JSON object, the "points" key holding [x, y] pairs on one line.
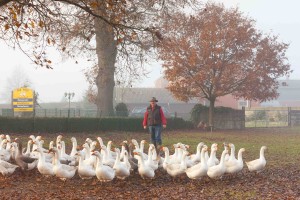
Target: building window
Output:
{"points": [[284, 84]]}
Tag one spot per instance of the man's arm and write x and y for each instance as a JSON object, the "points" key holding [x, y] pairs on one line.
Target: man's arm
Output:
{"points": [[163, 118], [145, 119]]}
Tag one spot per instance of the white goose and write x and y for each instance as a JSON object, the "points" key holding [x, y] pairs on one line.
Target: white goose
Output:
{"points": [[142, 146], [259, 164], [74, 146], [8, 143], [87, 155], [232, 154], [123, 149], [226, 148], [89, 141], [45, 168], [121, 169], [93, 145], [136, 147], [51, 145], [6, 168], [167, 157], [235, 166], [2, 136], [150, 162], [197, 157], [145, 171], [62, 171], [85, 171], [64, 157], [177, 169], [101, 143], [4, 154], [104, 173], [28, 148], [32, 137], [136, 144], [212, 160], [199, 170], [111, 154], [217, 171], [24, 162], [107, 160]]}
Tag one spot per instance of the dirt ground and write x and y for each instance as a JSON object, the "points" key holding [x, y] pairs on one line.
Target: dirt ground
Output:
{"points": [[275, 182], [270, 184]]}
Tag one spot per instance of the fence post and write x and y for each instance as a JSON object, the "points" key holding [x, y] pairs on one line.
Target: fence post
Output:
{"points": [[289, 117], [244, 117], [255, 115]]}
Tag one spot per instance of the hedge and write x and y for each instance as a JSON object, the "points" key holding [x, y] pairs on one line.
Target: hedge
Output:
{"points": [[54, 125]]}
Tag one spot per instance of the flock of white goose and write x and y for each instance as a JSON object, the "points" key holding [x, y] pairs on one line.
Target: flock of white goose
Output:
{"points": [[107, 163]]}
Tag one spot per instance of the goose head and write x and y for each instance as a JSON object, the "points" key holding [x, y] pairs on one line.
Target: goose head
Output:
{"points": [[204, 148], [59, 137], [135, 143], [39, 138], [264, 148], [89, 141], [242, 150], [137, 153], [42, 142], [86, 146], [231, 146], [8, 138], [93, 145], [214, 147], [226, 145], [100, 141], [51, 144], [32, 137], [30, 142], [73, 139]]}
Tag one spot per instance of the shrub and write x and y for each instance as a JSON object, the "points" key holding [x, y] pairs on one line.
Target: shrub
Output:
{"points": [[121, 110], [199, 113]]}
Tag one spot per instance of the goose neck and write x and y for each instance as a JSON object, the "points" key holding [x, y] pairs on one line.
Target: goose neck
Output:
{"points": [[240, 156], [262, 153], [202, 159], [223, 157]]}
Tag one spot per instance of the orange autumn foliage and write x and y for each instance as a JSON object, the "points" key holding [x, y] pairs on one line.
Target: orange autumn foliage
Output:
{"points": [[218, 51]]}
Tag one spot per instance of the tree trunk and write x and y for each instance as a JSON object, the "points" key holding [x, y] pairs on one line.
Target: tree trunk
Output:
{"points": [[106, 49], [211, 113]]}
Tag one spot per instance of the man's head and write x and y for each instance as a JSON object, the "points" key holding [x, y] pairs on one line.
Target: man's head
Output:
{"points": [[153, 101]]}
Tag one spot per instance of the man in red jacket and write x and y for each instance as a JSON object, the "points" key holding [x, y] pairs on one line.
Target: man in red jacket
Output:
{"points": [[155, 119]]}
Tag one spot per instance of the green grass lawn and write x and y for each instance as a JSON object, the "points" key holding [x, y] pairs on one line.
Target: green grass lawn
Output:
{"points": [[283, 143]]}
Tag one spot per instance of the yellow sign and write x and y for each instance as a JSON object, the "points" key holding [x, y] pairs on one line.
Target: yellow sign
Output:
{"points": [[23, 109], [23, 93], [22, 103], [23, 100]]}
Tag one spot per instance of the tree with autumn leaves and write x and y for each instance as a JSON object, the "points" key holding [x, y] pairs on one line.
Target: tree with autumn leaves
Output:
{"points": [[114, 35], [217, 52]]}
